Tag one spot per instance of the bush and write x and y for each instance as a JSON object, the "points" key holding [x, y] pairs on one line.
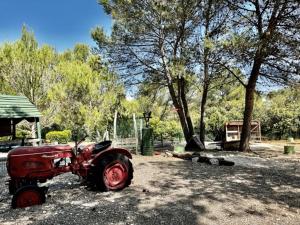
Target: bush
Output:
{"points": [[23, 133], [168, 129], [52, 127], [62, 137]]}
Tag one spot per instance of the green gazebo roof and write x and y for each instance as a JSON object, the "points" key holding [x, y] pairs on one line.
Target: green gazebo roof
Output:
{"points": [[17, 107]]}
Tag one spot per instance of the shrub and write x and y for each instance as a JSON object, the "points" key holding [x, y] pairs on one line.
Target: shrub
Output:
{"points": [[52, 127], [23, 133], [62, 137]]}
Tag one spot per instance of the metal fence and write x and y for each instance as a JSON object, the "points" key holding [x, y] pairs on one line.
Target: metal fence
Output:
{"points": [[3, 167]]}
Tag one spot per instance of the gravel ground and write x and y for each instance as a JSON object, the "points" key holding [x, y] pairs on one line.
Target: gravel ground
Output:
{"points": [[173, 191]]}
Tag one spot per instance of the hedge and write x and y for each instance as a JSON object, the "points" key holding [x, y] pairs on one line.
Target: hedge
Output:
{"points": [[62, 137]]}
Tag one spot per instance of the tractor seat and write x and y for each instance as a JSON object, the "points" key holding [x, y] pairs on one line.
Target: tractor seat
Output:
{"points": [[101, 146]]}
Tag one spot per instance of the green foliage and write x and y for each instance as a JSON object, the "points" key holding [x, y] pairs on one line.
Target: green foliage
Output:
{"points": [[224, 104], [62, 137], [168, 129], [278, 111], [23, 133], [73, 89], [282, 114], [76, 90], [25, 67], [81, 52], [5, 138], [52, 127], [83, 97]]}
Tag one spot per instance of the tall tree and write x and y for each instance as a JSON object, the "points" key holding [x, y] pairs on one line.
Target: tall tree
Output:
{"points": [[150, 41], [213, 27], [25, 67], [266, 34], [82, 96]]}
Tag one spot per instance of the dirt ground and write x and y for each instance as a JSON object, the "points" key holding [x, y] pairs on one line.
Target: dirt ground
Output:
{"points": [[262, 188]]}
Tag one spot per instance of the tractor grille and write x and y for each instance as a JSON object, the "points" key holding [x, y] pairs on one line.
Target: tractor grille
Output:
{"points": [[3, 167]]}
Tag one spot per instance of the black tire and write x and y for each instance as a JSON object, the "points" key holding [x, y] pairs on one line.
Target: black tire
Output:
{"points": [[108, 162], [28, 196], [12, 187]]}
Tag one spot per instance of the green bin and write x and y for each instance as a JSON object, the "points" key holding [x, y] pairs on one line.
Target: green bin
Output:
{"points": [[147, 141], [289, 149]]}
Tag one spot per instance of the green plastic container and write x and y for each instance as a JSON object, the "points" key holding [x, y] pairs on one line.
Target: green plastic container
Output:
{"points": [[179, 148], [147, 141], [289, 149]]}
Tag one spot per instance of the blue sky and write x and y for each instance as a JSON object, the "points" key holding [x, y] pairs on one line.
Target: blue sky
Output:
{"points": [[59, 23]]}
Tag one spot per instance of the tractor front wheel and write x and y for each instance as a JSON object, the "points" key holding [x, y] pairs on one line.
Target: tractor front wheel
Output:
{"points": [[114, 172], [15, 184], [12, 186], [28, 196]]}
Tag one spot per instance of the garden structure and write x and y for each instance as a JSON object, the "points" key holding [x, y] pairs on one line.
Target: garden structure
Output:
{"points": [[233, 130], [14, 109]]}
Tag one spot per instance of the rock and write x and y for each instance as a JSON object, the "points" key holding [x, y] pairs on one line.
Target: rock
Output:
{"points": [[214, 161], [168, 154], [145, 190], [195, 159]]}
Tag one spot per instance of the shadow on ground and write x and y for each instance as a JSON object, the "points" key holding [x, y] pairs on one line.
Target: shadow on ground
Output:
{"points": [[170, 192]]}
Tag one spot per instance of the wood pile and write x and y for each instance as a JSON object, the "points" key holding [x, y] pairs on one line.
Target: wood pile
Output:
{"points": [[196, 157]]}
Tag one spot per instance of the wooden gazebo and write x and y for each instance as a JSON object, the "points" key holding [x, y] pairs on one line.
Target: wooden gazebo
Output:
{"points": [[14, 109]]}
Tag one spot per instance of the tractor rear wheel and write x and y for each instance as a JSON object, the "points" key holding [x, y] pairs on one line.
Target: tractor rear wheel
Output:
{"points": [[114, 172], [28, 196]]}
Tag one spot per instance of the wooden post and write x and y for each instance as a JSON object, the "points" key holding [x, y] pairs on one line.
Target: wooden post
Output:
{"points": [[259, 131], [13, 124], [115, 125], [98, 136], [38, 128], [141, 129], [141, 134], [106, 135], [136, 134], [225, 132]]}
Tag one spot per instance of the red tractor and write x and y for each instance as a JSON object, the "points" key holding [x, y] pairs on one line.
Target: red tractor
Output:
{"points": [[102, 166]]}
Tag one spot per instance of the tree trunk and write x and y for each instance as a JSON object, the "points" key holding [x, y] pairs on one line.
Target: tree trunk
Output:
{"points": [[246, 130], [249, 103], [204, 95], [180, 103], [180, 111], [186, 108], [206, 72], [203, 104]]}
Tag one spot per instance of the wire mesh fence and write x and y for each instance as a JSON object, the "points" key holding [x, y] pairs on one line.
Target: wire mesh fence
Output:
{"points": [[3, 167]]}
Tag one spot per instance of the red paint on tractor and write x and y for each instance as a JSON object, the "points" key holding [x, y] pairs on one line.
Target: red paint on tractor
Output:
{"points": [[27, 166], [27, 198], [115, 176], [37, 162]]}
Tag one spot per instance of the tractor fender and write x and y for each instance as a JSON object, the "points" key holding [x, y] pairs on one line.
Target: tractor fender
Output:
{"points": [[102, 154]]}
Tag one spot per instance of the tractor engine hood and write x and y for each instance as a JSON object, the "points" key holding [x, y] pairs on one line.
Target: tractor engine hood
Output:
{"points": [[29, 150]]}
